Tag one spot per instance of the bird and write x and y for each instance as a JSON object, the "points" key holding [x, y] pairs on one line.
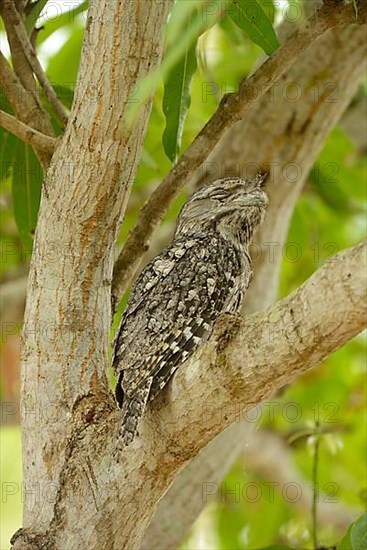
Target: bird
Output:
{"points": [[179, 295]]}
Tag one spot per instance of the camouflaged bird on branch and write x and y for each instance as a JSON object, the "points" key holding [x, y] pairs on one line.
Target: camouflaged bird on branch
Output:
{"points": [[177, 298]]}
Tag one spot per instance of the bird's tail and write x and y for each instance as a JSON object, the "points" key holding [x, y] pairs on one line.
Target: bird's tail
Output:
{"points": [[132, 410]]}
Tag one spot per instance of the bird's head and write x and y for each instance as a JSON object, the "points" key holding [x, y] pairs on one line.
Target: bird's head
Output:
{"points": [[233, 206]]}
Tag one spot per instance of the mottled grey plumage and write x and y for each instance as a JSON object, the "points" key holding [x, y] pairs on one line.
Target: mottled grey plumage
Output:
{"points": [[180, 293]]}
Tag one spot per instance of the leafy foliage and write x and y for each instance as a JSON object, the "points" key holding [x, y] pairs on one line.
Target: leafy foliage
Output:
{"points": [[176, 99]]}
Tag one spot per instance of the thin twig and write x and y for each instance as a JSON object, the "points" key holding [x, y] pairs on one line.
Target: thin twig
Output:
{"points": [[27, 134], [232, 108], [34, 63]]}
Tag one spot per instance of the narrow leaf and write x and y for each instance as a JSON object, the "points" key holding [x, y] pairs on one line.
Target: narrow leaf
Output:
{"points": [[31, 19], [8, 144], [358, 535], [66, 96], [251, 18], [269, 9], [27, 179], [355, 5], [176, 98]]}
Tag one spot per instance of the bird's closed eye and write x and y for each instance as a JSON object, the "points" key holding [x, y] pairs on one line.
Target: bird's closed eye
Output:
{"points": [[219, 195]]}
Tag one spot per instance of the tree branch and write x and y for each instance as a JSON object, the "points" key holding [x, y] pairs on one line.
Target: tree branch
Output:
{"points": [[250, 359], [232, 108], [26, 133], [30, 54]]}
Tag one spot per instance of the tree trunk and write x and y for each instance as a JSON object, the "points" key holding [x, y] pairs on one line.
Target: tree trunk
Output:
{"points": [[68, 313]]}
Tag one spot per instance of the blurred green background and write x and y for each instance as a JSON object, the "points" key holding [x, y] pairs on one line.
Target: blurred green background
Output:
{"points": [[330, 400]]}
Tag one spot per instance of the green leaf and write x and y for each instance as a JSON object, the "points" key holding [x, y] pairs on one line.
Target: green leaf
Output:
{"points": [[177, 99], [66, 95], [358, 535], [8, 144], [182, 11], [31, 19], [21, 166], [232, 30], [27, 176], [269, 9], [251, 18]]}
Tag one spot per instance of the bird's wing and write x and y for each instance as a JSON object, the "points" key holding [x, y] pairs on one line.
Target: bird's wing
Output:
{"points": [[154, 272], [174, 305]]}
